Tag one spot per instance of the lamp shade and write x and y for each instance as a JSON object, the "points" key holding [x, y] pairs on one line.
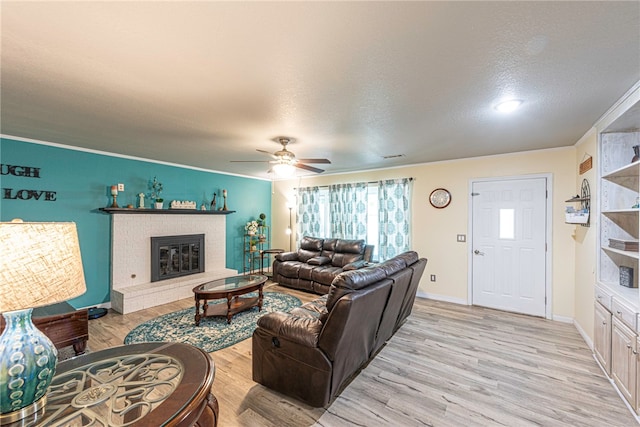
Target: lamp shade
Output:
{"points": [[40, 264]]}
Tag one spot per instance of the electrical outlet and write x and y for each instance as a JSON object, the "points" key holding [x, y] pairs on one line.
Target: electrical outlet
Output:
{"points": [[462, 237], [433, 277], [120, 187]]}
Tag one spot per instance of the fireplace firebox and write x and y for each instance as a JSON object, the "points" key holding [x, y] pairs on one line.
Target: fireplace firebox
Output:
{"points": [[176, 256]]}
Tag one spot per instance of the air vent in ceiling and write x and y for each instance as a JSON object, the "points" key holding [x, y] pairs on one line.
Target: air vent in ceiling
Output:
{"points": [[392, 156]]}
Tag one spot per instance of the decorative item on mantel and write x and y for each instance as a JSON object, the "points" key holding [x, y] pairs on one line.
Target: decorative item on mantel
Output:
{"points": [[183, 204], [156, 189], [114, 193], [141, 202], [224, 196], [214, 203]]}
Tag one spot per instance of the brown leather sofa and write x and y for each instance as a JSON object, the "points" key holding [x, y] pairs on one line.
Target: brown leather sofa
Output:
{"points": [[318, 261], [312, 352]]}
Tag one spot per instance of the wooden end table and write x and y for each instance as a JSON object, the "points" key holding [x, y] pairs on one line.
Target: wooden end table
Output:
{"points": [[230, 288], [62, 324], [268, 252]]}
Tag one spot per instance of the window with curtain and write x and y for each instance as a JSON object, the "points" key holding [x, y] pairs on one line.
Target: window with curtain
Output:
{"points": [[394, 212], [308, 217], [378, 212]]}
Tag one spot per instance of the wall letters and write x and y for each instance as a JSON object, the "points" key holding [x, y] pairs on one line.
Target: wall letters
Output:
{"points": [[25, 194]]}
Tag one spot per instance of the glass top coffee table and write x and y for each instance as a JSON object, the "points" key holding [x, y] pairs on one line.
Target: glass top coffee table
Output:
{"points": [[230, 288]]}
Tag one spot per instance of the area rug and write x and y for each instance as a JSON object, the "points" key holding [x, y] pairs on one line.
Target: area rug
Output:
{"points": [[213, 333]]}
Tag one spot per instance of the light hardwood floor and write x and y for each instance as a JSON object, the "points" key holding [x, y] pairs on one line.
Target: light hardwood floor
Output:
{"points": [[448, 365]]}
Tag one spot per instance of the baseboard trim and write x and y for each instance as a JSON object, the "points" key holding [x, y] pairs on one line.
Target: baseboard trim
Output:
{"points": [[443, 298], [583, 334], [562, 319]]}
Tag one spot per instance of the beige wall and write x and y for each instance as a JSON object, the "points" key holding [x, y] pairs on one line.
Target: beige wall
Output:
{"points": [[434, 231], [585, 239]]}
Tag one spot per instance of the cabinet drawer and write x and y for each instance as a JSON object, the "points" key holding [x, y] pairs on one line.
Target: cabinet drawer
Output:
{"points": [[603, 297], [624, 313]]}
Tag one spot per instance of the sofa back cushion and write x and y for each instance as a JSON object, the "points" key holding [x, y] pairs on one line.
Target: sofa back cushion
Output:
{"points": [[310, 247], [329, 247], [347, 251], [350, 281]]}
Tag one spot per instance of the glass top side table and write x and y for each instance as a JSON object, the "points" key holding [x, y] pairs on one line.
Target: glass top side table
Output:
{"points": [[159, 384]]}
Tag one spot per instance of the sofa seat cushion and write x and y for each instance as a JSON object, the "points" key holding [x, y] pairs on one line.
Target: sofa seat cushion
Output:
{"points": [[305, 271], [291, 268], [325, 274]]}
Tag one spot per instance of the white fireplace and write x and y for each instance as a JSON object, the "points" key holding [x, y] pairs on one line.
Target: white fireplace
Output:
{"points": [[131, 233]]}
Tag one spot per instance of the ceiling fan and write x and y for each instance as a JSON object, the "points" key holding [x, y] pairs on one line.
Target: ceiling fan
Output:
{"points": [[284, 161]]}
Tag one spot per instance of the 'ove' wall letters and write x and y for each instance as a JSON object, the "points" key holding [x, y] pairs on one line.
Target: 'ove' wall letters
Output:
{"points": [[25, 194]]}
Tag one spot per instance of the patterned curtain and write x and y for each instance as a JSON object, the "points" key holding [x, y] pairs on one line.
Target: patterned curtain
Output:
{"points": [[348, 210], [394, 217], [307, 218]]}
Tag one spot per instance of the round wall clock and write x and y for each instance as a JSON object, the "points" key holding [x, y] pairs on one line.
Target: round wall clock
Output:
{"points": [[440, 198]]}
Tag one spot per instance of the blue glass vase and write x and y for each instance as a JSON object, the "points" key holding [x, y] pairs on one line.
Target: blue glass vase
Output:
{"points": [[27, 365]]}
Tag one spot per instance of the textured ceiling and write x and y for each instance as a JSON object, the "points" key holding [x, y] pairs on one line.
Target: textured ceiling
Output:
{"points": [[204, 83]]}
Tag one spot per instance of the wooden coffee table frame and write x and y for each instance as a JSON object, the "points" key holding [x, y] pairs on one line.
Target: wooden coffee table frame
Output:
{"points": [[235, 303]]}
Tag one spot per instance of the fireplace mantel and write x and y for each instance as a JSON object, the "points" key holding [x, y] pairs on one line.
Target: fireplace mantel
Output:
{"points": [[138, 211], [131, 286]]}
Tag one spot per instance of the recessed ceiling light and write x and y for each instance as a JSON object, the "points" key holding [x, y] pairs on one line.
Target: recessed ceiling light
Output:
{"points": [[509, 106]]}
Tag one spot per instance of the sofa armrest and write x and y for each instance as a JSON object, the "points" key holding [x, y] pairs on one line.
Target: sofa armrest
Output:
{"points": [[301, 330], [287, 256], [355, 265]]}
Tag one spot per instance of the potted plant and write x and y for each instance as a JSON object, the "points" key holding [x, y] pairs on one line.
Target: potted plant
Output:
{"points": [[156, 189], [251, 227]]}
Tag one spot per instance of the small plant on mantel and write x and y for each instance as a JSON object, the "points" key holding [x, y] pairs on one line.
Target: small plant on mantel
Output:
{"points": [[156, 189]]}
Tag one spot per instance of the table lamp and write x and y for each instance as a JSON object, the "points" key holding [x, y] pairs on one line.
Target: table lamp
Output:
{"points": [[40, 264]]}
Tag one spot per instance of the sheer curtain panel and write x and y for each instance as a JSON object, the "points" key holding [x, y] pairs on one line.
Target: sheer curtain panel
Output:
{"points": [[348, 210], [394, 215], [308, 216]]}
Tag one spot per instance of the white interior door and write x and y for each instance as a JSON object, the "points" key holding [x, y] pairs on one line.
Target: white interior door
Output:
{"points": [[508, 253]]}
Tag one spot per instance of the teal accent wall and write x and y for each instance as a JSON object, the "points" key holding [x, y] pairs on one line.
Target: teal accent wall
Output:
{"points": [[81, 182]]}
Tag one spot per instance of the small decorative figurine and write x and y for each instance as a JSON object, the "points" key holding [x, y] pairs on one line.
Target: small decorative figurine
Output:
{"points": [[224, 195], [213, 202], [141, 202]]}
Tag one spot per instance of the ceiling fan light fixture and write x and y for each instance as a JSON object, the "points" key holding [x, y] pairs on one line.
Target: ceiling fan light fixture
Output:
{"points": [[509, 106], [284, 170]]}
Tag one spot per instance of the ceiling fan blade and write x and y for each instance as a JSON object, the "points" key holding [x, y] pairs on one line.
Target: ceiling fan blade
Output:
{"points": [[309, 168], [249, 161], [325, 161], [267, 152]]}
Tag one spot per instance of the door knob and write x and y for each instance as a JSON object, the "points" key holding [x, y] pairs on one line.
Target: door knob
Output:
{"points": [[477, 252]]}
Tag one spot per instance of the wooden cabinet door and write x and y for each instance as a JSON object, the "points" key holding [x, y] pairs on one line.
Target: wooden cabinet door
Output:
{"points": [[623, 359], [602, 336], [637, 407]]}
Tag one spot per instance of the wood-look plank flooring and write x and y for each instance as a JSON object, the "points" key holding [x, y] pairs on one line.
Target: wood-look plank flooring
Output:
{"points": [[448, 365]]}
